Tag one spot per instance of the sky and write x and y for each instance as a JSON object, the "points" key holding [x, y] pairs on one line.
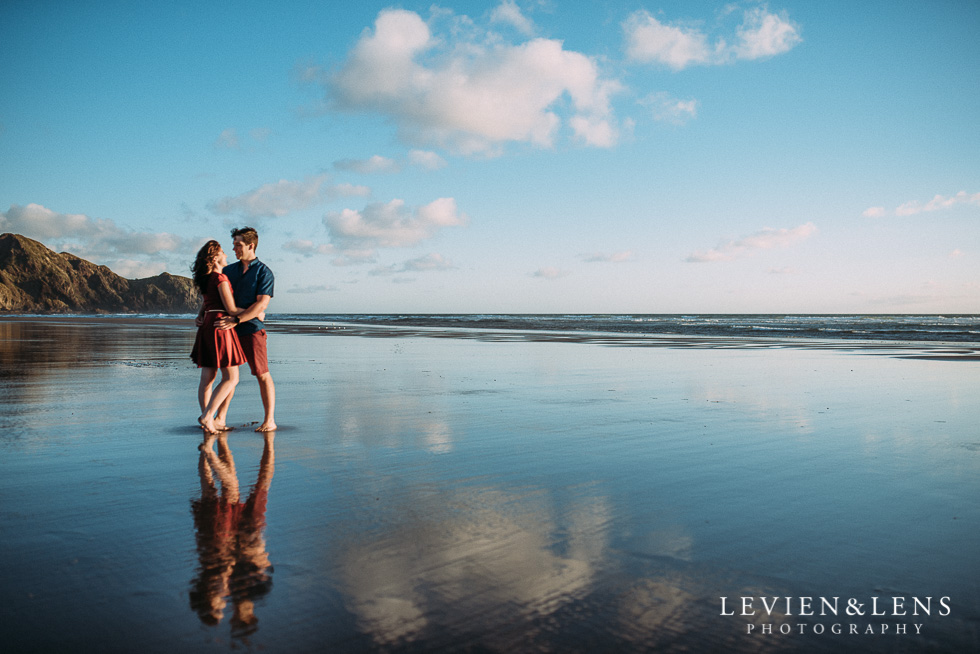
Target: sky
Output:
{"points": [[524, 156]]}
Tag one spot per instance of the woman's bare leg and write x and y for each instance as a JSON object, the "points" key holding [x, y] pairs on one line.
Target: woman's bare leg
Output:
{"points": [[221, 417], [204, 388], [229, 379]]}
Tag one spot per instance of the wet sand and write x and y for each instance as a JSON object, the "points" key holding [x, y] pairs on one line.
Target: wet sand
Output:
{"points": [[459, 491]]}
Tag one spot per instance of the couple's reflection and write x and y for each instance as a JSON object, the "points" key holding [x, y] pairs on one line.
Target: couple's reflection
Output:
{"points": [[234, 564]]}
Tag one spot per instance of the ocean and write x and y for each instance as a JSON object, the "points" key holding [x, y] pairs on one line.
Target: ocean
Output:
{"points": [[960, 329]]}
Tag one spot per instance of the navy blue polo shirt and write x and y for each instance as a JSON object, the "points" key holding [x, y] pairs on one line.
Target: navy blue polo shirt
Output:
{"points": [[257, 280]]}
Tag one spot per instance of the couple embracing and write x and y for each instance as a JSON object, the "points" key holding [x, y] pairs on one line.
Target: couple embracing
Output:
{"points": [[230, 330]]}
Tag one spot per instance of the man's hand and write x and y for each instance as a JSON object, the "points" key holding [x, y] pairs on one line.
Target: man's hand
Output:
{"points": [[225, 323]]}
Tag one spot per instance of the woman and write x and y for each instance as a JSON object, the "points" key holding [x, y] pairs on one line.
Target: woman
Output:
{"points": [[215, 349]]}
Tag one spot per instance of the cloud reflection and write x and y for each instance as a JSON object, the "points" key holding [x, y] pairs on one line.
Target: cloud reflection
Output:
{"points": [[484, 558]]}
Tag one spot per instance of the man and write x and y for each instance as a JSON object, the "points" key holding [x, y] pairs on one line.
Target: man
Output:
{"points": [[253, 284]]}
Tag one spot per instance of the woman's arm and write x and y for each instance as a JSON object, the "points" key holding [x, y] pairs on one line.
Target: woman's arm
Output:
{"points": [[199, 321], [227, 298]]}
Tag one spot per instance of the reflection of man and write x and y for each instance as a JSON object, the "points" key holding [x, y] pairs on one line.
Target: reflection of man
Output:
{"points": [[234, 563], [253, 284]]}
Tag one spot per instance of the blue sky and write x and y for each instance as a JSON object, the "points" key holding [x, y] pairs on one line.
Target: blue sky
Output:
{"points": [[517, 156]]}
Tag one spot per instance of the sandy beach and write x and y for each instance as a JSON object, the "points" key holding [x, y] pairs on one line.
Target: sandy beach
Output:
{"points": [[435, 492]]}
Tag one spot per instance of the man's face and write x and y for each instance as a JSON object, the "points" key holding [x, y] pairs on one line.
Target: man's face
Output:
{"points": [[241, 248]]}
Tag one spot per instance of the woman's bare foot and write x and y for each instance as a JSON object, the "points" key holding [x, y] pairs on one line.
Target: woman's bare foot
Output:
{"points": [[219, 425], [207, 424], [267, 426]]}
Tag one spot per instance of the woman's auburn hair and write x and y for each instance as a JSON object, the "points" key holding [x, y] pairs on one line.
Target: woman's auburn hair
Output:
{"points": [[202, 264]]}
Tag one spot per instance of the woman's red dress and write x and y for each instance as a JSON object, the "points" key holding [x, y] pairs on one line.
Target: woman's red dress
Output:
{"points": [[216, 348]]}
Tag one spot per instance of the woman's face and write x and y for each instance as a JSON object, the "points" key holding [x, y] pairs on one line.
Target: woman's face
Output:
{"points": [[221, 260]]}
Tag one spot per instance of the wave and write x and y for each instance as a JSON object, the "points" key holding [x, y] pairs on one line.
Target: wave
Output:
{"points": [[910, 328]]}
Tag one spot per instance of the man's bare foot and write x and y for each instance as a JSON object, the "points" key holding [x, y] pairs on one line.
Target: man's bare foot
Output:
{"points": [[207, 424], [267, 426], [219, 425]]}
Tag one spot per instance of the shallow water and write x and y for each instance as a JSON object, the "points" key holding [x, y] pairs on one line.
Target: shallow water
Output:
{"points": [[430, 494]]}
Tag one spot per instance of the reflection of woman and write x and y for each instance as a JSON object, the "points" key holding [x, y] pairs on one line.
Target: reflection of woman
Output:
{"points": [[215, 349], [231, 548]]}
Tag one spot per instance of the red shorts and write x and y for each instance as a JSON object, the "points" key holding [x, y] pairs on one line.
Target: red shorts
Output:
{"points": [[255, 351]]}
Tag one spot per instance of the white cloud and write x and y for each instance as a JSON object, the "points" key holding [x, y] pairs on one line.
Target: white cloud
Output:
{"points": [[355, 257], [650, 41], [909, 209], [346, 190], [98, 240], [426, 159], [307, 248], [764, 34], [428, 263], [666, 108], [509, 13], [391, 224], [37, 222], [260, 134], [766, 239], [143, 242], [384, 271], [472, 97], [309, 290], [227, 140], [761, 34], [595, 131], [92, 234], [937, 203], [283, 197], [549, 272], [135, 269], [614, 257], [375, 164]]}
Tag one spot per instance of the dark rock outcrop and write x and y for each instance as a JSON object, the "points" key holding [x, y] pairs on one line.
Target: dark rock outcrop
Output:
{"points": [[34, 279]]}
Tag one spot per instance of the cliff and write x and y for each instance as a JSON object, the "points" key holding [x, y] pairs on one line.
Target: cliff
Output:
{"points": [[34, 279]]}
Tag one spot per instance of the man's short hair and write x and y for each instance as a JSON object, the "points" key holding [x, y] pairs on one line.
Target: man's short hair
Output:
{"points": [[248, 234]]}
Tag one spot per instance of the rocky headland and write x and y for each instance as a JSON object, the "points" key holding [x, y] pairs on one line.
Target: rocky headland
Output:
{"points": [[35, 279]]}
